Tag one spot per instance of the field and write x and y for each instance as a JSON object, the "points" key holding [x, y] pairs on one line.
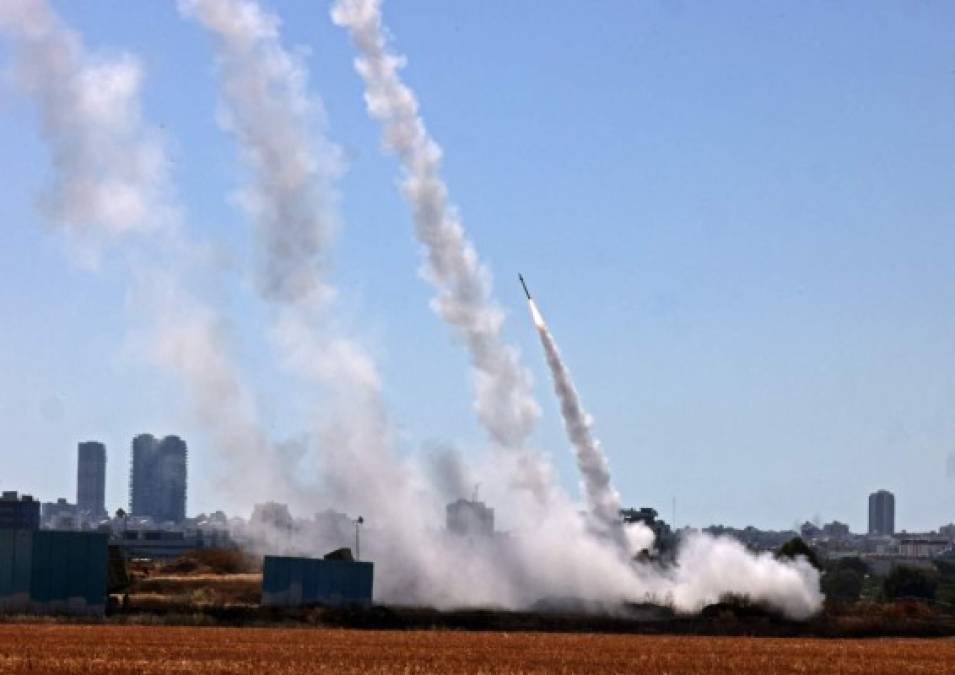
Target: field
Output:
{"points": [[73, 648]]}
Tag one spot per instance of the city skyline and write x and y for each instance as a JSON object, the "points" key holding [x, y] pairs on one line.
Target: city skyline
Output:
{"points": [[743, 251], [152, 499]]}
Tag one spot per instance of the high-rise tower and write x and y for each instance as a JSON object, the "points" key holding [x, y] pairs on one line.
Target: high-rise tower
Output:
{"points": [[157, 480], [91, 478], [882, 513]]}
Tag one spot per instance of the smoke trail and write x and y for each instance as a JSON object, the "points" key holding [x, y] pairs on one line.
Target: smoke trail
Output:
{"points": [[291, 199], [278, 125], [110, 176], [602, 498], [551, 551], [111, 189], [504, 403]]}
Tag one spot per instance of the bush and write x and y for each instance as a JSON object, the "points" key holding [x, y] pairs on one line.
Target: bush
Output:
{"points": [[212, 561], [797, 547], [843, 584], [854, 563], [910, 582]]}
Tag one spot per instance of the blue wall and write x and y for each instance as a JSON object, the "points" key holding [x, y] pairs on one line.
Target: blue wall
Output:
{"points": [[53, 572], [296, 581]]}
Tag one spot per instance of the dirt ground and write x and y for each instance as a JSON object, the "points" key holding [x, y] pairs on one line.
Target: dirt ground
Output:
{"points": [[69, 648]]}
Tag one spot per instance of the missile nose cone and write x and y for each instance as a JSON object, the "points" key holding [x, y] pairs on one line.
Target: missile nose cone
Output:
{"points": [[526, 292]]}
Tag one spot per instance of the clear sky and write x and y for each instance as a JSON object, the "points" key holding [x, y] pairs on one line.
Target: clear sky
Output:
{"points": [[738, 219]]}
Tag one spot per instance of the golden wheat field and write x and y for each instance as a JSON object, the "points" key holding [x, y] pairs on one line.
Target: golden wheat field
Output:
{"points": [[58, 648]]}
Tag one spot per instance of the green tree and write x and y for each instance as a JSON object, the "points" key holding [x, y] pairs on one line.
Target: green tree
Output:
{"points": [[854, 563], [843, 584], [797, 547], [910, 582]]}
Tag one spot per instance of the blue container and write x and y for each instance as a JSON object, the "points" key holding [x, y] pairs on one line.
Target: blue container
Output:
{"points": [[290, 582]]}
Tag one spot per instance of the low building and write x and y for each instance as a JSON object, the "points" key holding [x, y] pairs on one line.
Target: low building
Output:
{"points": [[836, 530], [291, 582], [59, 515], [923, 547], [157, 544], [19, 513]]}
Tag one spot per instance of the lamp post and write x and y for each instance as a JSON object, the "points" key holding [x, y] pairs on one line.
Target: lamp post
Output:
{"points": [[358, 524]]}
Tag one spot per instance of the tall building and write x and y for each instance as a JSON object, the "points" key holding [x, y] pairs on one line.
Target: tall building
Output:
{"points": [[157, 480], [19, 513], [91, 478], [882, 513]]}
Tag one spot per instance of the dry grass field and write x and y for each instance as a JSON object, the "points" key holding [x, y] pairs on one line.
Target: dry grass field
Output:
{"points": [[65, 648]]}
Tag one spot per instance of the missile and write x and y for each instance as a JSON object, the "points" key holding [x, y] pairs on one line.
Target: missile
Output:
{"points": [[526, 292]]}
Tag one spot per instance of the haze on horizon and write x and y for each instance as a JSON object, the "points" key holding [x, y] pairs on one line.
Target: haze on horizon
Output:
{"points": [[737, 219]]}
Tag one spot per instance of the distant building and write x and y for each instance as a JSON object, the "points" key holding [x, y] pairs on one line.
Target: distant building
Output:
{"points": [[153, 543], [59, 515], [157, 481], [922, 547], [947, 532], [882, 513], [272, 516], [809, 530], [19, 513], [836, 529], [470, 518], [91, 478]]}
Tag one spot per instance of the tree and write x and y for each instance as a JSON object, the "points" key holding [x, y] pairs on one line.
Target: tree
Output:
{"points": [[853, 563], [842, 584], [905, 581], [797, 547]]}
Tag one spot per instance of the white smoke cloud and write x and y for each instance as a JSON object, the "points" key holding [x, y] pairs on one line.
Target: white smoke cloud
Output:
{"points": [[505, 405], [291, 198], [110, 169], [550, 551], [553, 551], [111, 188], [279, 128], [602, 499]]}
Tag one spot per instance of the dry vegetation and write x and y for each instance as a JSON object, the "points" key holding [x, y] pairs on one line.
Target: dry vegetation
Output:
{"points": [[198, 579], [53, 648]]}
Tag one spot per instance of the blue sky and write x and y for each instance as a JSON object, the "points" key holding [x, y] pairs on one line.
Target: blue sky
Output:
{"points": [[738, 219]]}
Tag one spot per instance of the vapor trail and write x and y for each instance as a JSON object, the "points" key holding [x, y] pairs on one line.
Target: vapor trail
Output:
{"points": [[111, 191], [110, 176], [602, 499], [291, 198], [266, 106], [504, 402]]}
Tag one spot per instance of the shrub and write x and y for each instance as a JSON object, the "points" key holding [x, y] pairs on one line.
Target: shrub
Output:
{"points": [[910, 582], [797, 547], [842, 584], [212, 561]]}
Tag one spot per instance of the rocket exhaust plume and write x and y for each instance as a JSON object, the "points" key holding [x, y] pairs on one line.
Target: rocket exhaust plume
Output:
{"points": [[111, 191], [602, 500], [91, 120], [291, 199], [504, 403]]}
